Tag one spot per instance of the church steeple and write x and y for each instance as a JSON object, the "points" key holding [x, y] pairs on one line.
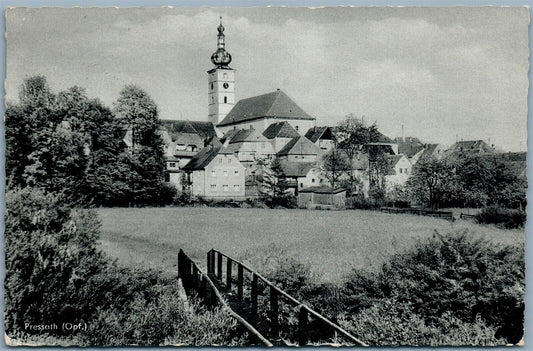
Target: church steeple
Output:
{"points": [[221, 81], [221, 58]]}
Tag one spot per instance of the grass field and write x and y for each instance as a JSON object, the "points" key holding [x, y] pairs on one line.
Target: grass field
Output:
{"points": [[332, 242]]}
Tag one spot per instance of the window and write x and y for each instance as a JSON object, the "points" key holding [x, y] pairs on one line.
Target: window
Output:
{"points": [[229, 159], [312, 180], [301, 185], [213, 187], [213, 173], [236, 187], [236, 173], [400, 170], [220, 160], [297, 128], [405, 170], [172, 164], [225, 99], [225, 173], [296, 156], [225, 187], [212, 86]]}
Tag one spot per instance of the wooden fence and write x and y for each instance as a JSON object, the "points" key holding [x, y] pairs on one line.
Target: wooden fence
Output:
{"points": [[467, 216], [193, 278], [223, 267], [419, 212]]}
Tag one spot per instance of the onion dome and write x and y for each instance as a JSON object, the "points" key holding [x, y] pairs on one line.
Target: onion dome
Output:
{"points": [[221, 58]]}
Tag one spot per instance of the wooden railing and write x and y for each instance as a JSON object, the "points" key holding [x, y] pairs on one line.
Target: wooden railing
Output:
{"points": [[255, 284], [419, 212], [194, 278]]}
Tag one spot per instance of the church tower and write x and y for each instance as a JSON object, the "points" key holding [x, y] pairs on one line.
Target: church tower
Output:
{"points": [[221, 82]]}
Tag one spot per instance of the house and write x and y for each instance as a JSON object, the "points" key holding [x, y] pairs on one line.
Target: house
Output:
{"points": [[360, 166], [249, 145], [322, 197], [436, 151], [279, 134], [263, 110], [322, 137], [299, 149], [400, 169], [470, 147], [301, 175], [409, 146], [215, 173], [384, 142]]}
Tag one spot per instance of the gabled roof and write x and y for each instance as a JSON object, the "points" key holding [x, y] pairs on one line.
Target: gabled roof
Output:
{"points": [[322, 190], [273, 105], [204, 158], [470, 146], [280, 130], [299, 146], [409, 146], [316, 133], [393, 160], [382, 139], [296, 169], [204, 129]]}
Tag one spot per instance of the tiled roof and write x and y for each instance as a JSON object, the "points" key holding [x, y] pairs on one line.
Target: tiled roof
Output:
{"points": [[409, 146], [322, 190], [296, 169], [299, 146], [273, 105], [316, 133], [204, 158], [393, 160], [204, 129], [471, 146], [280, 130]]}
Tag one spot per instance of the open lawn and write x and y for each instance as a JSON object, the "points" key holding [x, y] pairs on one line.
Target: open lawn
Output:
{"points": [[332, 242]]}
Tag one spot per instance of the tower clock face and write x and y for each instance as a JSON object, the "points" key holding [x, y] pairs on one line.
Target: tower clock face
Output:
{"points": [[225, 85]]}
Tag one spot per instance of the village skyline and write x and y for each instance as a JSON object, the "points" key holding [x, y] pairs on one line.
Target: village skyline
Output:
{"points": [[367, 70]]}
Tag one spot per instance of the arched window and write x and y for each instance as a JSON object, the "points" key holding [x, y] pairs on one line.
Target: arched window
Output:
{"points": [[225, 99]]}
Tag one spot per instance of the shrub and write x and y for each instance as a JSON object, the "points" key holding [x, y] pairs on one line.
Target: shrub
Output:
{"points": [[50, 254], [504, 217], [389, 322], [360, 203], [453, 273]]}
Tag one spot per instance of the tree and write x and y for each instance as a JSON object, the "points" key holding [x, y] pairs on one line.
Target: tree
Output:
{"points": [[274, 186], [433, 181], [137, 112], [335, 164]]}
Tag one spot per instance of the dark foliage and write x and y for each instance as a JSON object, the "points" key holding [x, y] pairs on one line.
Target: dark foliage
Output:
{"points": [[507, 218]]}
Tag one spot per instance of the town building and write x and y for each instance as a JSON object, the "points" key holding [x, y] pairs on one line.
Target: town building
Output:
{"points": [[470, 147], [279, 134], [261, 111], [400, 169], [215, 173], [249, 145], [299, 149], [322, 197], [323, 137], [301, 175]]}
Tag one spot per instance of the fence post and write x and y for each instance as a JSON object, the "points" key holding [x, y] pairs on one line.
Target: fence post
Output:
{"points": [[274, 320], [240, 282], [228, 274], [219, 266], [302, 326], [254, 294], [208, 262]]}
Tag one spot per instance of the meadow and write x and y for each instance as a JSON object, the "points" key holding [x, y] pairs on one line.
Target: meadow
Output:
{"points": [[331, 242]]}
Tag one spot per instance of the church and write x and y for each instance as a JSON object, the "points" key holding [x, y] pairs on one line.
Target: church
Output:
{"points": [[257, 112]]}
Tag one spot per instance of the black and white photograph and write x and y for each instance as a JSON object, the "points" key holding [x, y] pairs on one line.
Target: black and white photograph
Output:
{"points": [[265, 176]]}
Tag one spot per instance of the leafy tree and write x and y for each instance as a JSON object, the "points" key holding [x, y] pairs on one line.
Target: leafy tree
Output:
{"points": [[335, 164], [138, 112], [378, 168], [432, 181], [274, 186]]}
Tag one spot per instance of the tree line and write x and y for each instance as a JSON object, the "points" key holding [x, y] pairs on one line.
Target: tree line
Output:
{"points": [[71, 144]]}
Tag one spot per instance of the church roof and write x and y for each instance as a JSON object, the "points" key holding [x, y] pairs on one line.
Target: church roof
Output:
{"points": [[203, 129], [299, 146], [273, 105], [280, 130], [204, 157]]}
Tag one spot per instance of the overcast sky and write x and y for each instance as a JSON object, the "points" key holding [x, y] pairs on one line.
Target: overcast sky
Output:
{"points": [[440, 72]]}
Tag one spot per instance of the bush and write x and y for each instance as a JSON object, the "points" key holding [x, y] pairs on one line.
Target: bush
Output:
{"points": [[454, 273], [50, 254], [503, 217], [389, 322], [360, 203]]}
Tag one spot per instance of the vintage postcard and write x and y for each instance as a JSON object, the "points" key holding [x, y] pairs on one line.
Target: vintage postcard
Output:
{"points": [[266, 176]]}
